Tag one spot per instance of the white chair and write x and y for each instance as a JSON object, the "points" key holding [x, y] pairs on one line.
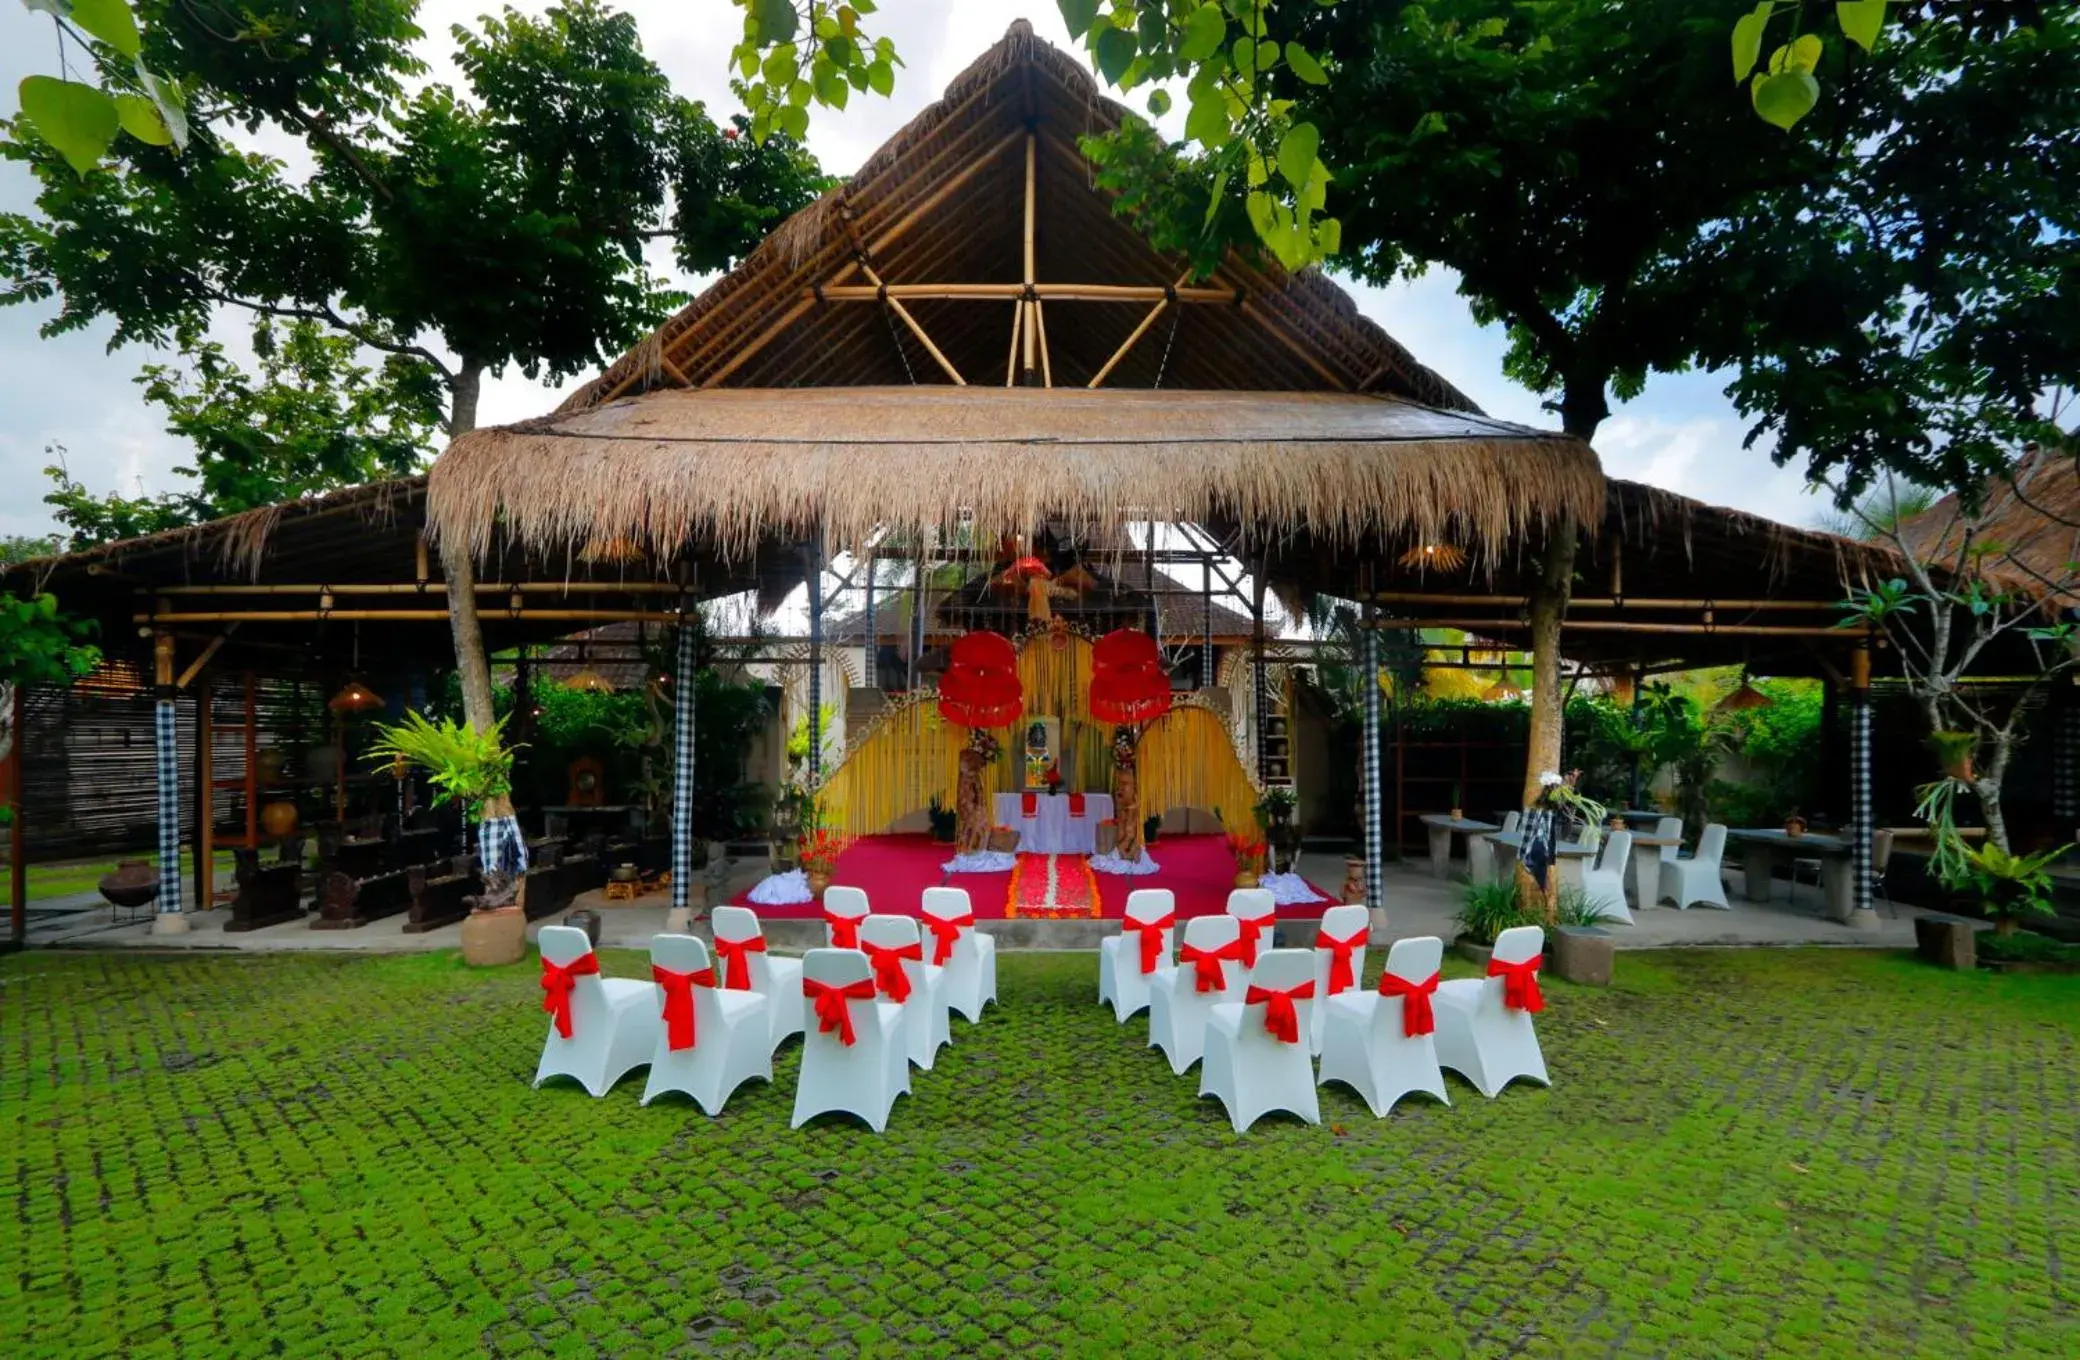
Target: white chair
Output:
{"points": [[843, 910], [1339, 960], [1209, 971], [1256, 1049], [895, 948], [1128, 960], [1604, 885], [968, 956], [1383, 1044], [741, 963], [1484, 1030], [1685, 881], [600, 1029], [1667, 829], [709, 1041], [1256, 910], [1503, 858], [852, 1046]]}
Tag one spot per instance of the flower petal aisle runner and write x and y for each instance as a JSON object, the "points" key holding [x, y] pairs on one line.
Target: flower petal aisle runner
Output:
{"points": [[1052, 887]]}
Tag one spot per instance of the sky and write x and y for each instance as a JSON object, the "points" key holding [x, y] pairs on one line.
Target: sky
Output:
{"points": [[71, 392]]}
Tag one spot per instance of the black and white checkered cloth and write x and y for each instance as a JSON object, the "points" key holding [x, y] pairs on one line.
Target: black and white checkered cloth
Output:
{"points": [[501, 846], [1375, 812], [682, 773], [167, 754]]}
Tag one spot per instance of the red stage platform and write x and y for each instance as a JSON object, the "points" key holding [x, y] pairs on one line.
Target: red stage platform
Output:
{"points": [[895, 871]]}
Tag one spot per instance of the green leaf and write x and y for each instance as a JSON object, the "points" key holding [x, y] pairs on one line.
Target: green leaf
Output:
{"points": [[1204, 28], [1800, 54], [881, 77], [78, 120], [1267, 55], [173, 114], [1304, 65], [1207, 123], [777, 21], [1861, 21], [1213, 204], [111, 21], [1329, 232], [1244, 55], [1158, 102], [1079, 15], [140, 118], [1115, 54], [1784, 98], [1296, 151], [793, 121], [1747, 40]]}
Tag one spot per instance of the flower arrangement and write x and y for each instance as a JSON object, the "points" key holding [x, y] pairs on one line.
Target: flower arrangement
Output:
{"points": [[819, 848], [1053, 779], [1248, 850], [985, 745]]}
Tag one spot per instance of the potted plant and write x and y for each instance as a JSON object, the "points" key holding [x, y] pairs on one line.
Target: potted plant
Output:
{"points": [[1953, 752], [2009, 885], [1281, 830], [1583, 951], [1581, 817], [1248, 852], [1150, 825], [1458, 804], [475, 770], [1795, 824], [1487, 910], [943, 819], [818, 851]]}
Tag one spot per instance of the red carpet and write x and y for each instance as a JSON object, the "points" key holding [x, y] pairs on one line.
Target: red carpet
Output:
{"points": [[895, 871]]}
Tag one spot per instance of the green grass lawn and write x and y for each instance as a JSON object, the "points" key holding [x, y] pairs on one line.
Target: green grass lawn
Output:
{"points": [[78, 876], [1769, 1152]]}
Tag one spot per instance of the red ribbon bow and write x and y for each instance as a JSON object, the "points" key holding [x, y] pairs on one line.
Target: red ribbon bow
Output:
{"points": [[889, 973], [736, 972], [844, 930], [1417, 1016], [1519, 983], [1251, 930], [557, 982], [1342, 974], [1075, 805], [1029, 805], [1281, 1017], [1151, 939], [678, 1002], [1206, 963], [946, 932], [832, 1010]]}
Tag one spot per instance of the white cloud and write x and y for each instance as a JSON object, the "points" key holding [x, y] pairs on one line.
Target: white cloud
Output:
{"points": [[1681, 433]]}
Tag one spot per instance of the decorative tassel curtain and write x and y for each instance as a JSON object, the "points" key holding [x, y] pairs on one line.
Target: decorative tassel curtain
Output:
{"points": [[909, 754], [1188, 760]]}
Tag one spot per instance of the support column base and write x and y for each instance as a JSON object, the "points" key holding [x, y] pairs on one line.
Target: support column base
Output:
{"points": [[170, 923], [1862, 918], [678, 920]]}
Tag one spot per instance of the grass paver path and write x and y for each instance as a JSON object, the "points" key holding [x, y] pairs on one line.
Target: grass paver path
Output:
{"points": [[1746, 1153]]}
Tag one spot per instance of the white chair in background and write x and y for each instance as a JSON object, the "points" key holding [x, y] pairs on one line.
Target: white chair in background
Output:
{"points": [[968, 956], [1667, 829], [1256, 1049], [742, 964], [843, 910], [1128, 960], [1339, 960], [1256, 911], [1484, 1030], [1209, 971], [895, 948], [852, 1046], [1382, 1044], [600, 1029], [709, 1041], [1604, 885], [1697, 878], [1503, 858]]}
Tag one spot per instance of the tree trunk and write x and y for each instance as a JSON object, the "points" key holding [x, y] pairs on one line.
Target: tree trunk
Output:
{"points": [[471, 663], [1548, 606], [1989, 791]]}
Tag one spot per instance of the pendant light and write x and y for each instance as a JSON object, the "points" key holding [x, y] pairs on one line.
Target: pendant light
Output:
{"points": [[1744, 698], [355, 696]]}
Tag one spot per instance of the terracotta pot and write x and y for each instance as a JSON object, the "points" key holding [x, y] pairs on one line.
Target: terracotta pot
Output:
{"points": [[267, 764], [278, 819], [1458, 814], [1794, 827], [819, 879], [493, 938], [1353, 880], [133, 883], [1245, 878]]}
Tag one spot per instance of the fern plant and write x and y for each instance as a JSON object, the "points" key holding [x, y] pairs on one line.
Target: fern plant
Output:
{"points": [[463, 765]]}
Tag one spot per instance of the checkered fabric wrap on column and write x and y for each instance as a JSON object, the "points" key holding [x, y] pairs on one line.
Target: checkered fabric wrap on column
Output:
{"points": [[2065, 759], [501, 846], [1369, 650], [682, 773], [167, 754], [1860, 799]]}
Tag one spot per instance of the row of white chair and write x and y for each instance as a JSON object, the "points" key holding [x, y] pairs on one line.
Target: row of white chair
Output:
{"points": [[1253, 1020], [867, 1011]]}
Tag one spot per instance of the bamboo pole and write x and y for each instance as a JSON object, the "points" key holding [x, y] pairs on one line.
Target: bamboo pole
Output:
{"points": [[1018, 326], [1609, 626], [1603, 602], [758, 342], [417, 588], [195, 666], [1052, 292], [1046, 364], [408, 616], [1162, 304], [1292, 342], [903, 315]]}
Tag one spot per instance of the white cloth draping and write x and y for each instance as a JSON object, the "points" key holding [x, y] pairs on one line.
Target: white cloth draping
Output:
{"points": [[1290, 890], [782, 890], [1051, 830], [1128, 868], [981, 862]]}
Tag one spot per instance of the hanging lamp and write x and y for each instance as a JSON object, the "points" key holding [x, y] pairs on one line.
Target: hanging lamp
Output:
{"points": [[355, 696], [1743, 698], [1434, 557], [589, 681]]}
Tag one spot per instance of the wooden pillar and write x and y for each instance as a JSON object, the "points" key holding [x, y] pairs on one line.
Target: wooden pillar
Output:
{"points": [[1029, 306], [253, 791], [683, 774], [812, 562], [166, 760], [1548, 608], [17, 831], [205, 795], [1207, 674], [870, 674], [1862, 913], [917, 600]]}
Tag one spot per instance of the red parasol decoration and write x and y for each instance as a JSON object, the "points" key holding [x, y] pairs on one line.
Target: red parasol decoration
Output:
{"points": [[1128, 682], [981, 688], [991, 651], [1124, 647]]}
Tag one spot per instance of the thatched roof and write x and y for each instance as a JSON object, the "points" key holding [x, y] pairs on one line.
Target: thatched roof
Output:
{"points": [[2029, 527], [733, 467]]}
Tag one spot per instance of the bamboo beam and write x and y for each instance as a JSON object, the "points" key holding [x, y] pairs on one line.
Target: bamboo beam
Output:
{"points": [[407, 616], [1052, 292], [1046, 364], [758, 342], [195, 666], [1018, 326], [1602, 602], [1032, 205], [419, 588], [1128, 344], [1608, 626], [903, 315], [1292, 342]]}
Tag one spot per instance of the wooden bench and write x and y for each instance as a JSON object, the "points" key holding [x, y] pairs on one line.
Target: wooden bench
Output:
{"points": [[346, 903], [268, 895], [438, 897]]}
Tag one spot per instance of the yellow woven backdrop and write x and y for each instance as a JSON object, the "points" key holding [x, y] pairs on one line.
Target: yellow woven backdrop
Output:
{"points": [[911, 753]]}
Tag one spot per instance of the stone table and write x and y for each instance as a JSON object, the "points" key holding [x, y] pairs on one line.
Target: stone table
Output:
{"points": [[1442, 828], [1765, 847]]}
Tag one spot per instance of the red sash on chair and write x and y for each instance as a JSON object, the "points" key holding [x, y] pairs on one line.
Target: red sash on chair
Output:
{"points": [[1029, 805], [946, 933], [735, 954], [832, 1010], [1281, 1017], [1251, 930], [1209, 976], [557, 984], [1519, 983], [1151, 939], [844, 930], [678, 1002], [1076, 805], [890, 976], [1342, 974], [1417, 1016]]}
